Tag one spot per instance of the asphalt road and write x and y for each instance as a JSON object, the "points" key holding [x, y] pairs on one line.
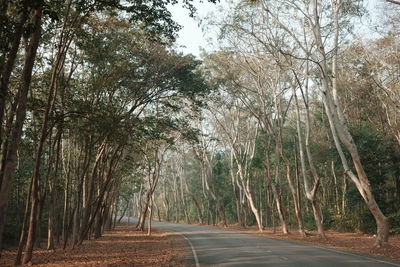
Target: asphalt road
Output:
{"points": [[219, 247]]}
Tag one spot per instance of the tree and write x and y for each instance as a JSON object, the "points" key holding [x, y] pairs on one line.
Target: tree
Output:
{"points": [[339, 11]]}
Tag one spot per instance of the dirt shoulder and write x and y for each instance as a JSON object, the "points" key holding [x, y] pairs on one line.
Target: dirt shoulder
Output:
{"points": [[122, 247], [353, 242]]}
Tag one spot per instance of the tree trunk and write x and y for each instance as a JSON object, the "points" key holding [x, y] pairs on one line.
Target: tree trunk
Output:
{"points": [[143, 215], [24, 228], [339, 128], [279, 208], [277, 192], [222, 213], [88, 206], [309, 192], [199, 210], [150, 216], [293, 192], [6, 71], [344, 192], [53, 190], [20, 117], [98, 223], [8, 164], [106, 186]]}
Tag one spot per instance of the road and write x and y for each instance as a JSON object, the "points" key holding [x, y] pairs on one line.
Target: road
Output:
{"points": [[219, 247]]}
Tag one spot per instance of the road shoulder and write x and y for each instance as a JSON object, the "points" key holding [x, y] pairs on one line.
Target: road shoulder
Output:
{"points": [[123, 246]]}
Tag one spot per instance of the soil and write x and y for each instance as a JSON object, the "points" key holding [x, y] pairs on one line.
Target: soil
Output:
{"points": [[354, 242], [127, 247], [123, 246]]}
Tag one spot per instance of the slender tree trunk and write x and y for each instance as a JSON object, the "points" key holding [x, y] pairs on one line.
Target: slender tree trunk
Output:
{"points": [[236, 193], [8, 164], [167, 208], [143, 215], [52, 213], [6, 71], [24, 228], [183, 198], [123, 212], [98, 223], [244, 179], [344, 192], [88, 206], [340, 130], [222, 212], [199, 210], [21, 112], [107, 186], [66, 206], [337, 205], [293, 192], [277, 193], [279, 208], [150, 216], [309, 192]]}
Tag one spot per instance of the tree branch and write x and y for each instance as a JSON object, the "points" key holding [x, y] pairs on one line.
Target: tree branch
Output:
{"points": [[394, 2]]}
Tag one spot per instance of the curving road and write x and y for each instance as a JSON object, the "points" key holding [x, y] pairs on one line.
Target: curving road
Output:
{"points": [[219, 247]]}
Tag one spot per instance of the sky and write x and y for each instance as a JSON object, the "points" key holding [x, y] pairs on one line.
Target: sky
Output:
{"points": [[191, 35], [192, 38]]}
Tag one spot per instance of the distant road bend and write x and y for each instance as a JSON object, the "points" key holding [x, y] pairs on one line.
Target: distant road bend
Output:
{"points": [[219, 247]]}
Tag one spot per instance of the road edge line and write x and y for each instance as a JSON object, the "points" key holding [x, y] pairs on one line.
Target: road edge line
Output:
{"points": [[332, 249], [358, 255], [193, 251]]}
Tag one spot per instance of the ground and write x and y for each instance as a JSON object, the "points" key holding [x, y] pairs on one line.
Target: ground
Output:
{"points": [[122, 247], [354, 242], [127, 247]]}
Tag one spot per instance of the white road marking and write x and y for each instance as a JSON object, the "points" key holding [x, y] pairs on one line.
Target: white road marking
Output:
{"points": [[193, 251], [324, 248], [360, 256]]}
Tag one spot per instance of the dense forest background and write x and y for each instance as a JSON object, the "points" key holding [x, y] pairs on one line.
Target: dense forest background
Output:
{"points": [[291, 123]]}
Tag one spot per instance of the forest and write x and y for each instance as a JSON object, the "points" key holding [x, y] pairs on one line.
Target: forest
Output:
{"points": [[290, 123]]}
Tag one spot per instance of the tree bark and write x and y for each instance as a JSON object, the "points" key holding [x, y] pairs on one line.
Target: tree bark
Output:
{"points": [[309, 192], [340, 130], [9, 161]]}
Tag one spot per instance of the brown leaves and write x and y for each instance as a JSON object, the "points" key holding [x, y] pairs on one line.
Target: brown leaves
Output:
{"points": [[122, 247]]}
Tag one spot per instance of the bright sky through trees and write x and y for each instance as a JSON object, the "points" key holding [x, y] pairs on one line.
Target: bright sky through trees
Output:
{"points": [[191, 37], [287, 120]]}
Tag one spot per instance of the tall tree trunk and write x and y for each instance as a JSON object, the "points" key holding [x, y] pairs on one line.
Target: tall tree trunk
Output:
{"points": [[98, 222], [53, 190], [63, 46], [150, 216], [280, 208], [106, 186], [221, 211], [293, 190], [344, 192], [236, 192], [183, 198], [337, 205], [24, 229], [199, 210], [143, 214], [9, 162], [339, 128], [276, 192], [6, 70], [309, 192], [91, 184]]}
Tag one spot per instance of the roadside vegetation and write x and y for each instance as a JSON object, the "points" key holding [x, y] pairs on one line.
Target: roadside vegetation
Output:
{"points": [[291, 124]]}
